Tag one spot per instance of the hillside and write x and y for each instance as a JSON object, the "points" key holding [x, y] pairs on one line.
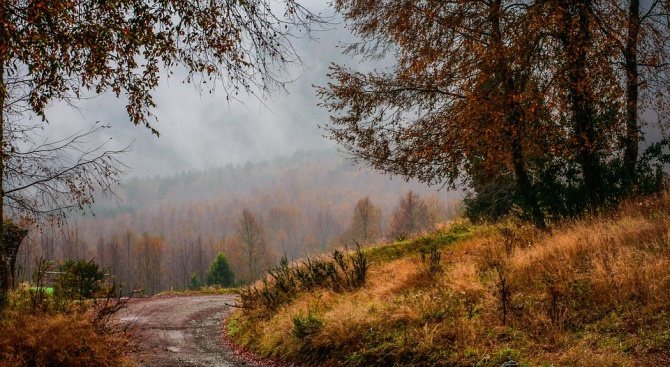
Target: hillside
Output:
{"points": [[592, 292]]}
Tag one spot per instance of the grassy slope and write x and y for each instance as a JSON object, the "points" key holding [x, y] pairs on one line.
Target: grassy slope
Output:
{"points": [[594, 292]]}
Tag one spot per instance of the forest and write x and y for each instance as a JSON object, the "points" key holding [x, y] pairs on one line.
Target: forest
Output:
{"points": [[163, 233]]}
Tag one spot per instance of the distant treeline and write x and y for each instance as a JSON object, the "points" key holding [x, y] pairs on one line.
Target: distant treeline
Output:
{"points": [[161, 231]]}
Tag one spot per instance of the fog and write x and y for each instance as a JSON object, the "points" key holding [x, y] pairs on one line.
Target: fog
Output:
{"points": [[199, 130]]}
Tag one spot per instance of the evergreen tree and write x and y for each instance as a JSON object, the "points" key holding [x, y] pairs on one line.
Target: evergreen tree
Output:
{"points": [[196, 284], [221, 273], [80, 278]]}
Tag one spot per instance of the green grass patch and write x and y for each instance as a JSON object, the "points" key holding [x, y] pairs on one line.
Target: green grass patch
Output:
{"points": [[399, 249], [46, 290]]}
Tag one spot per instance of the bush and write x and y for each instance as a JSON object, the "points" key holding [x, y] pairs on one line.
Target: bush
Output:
{"points": [[345, 271], [196, 283], [304, 327], [51, 326], [354, 267], [430, 259], [80, 279], [560, 190]]}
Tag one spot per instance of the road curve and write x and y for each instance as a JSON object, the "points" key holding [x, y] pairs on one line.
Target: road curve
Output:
{"points": [[180, 331]]}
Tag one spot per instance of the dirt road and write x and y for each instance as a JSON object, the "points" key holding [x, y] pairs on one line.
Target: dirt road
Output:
{"points": [[181, 330]]}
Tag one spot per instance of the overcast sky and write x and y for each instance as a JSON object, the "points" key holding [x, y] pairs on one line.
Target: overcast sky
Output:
{"points": [[202, 131]]}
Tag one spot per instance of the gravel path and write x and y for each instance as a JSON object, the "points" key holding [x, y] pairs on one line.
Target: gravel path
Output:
{"points": [[182, 331]]}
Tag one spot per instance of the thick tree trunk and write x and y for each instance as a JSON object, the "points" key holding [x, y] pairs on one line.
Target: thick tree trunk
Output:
{"points": [[577, 43], [514, 120], [4, 265], [583, 112], [631, 141]]}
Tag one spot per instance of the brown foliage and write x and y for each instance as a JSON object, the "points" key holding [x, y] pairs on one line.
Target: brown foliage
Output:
{"points": [[60, 340], [539, 94], [61, 51], [410, 217]]}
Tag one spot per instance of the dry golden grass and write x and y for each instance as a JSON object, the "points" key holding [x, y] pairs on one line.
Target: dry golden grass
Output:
{"points": [[59, 340], [594, 292]]}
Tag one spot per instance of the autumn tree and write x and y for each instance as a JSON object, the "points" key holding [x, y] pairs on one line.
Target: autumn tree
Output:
{"points": [[438, 210], [365, 222], [326, 227], [114, 259], [284, 224], [532, 105], [45, 179], [458, 105], [609, 71], [640, 34], [410, 217], [256, 253], [148, 255], [236, 258], [181, 261], [61, 51]]}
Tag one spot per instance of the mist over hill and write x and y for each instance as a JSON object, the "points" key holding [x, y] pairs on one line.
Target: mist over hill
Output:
{"points": [[306, 177], [304, 204]]}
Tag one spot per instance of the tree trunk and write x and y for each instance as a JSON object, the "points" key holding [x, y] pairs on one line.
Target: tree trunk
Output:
{"points": [[4, 266], [583, 112], [12, 237], [631, 140], [514, 120], [576, 44]]}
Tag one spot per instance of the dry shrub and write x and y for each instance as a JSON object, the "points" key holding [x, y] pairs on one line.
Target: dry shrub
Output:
{"points": [[60, 340], [344, 271]]}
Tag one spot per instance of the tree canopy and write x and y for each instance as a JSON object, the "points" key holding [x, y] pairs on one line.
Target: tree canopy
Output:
{"points": [[410, 217], [256, 253], [541, 100], [62, 51], [365, 225]]}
